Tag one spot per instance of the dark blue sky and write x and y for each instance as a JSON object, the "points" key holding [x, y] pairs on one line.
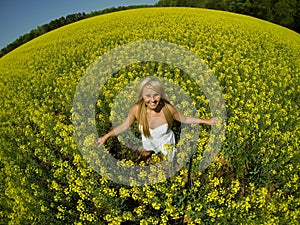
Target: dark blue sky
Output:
{"points": [[18, 17]]}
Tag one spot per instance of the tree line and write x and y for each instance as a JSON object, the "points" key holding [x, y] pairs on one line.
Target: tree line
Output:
{"points": [[281, 12]]}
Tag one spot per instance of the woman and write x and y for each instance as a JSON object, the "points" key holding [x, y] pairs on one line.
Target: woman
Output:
{"points": [[154, 115]]}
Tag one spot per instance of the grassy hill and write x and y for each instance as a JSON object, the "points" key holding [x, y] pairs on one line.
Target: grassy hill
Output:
{"points": [[253, 180]]}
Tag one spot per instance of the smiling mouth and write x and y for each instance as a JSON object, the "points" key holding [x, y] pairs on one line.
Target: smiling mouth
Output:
{"points": [[153, 103]]}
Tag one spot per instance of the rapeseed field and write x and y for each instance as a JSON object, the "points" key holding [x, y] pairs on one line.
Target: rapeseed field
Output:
{"points": [[254, 178]]}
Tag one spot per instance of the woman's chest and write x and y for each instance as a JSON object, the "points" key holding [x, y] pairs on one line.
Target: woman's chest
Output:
{"points": [[156, 119]]}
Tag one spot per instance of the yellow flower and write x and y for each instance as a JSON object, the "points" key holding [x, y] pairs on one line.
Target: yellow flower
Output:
{"points": [[156, 205]]}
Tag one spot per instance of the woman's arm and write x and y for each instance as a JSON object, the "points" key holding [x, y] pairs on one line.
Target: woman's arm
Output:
{"points": [[121, 128], [190, 120]]}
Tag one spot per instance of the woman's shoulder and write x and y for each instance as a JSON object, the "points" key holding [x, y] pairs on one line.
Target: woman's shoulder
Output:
{"points": [[134, 109], [170, 107], [135, 106]]}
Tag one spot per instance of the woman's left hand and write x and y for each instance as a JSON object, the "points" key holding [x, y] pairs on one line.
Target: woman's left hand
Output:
{"points": [[211, 121]]}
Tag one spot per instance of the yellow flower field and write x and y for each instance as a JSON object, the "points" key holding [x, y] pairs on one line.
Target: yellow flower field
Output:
{"points": [[253, 180]]}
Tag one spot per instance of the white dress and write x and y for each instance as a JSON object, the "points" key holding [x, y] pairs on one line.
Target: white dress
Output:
{"points": [[162, 139]]}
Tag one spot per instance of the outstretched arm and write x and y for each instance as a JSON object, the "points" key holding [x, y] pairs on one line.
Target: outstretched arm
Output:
{"points": [[190, 120], [121, 128]]}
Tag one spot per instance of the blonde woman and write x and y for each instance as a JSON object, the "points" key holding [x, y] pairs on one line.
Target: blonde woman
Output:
{"points": [[154, 115]]}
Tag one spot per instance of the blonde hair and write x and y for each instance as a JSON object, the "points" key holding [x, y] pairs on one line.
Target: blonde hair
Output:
{"points": [[155, 84]]}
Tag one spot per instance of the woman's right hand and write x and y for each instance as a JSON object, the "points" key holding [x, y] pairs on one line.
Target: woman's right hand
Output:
{"points": [[101, 140]]}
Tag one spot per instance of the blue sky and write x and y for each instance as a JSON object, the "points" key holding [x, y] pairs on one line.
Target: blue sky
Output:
{"points": [[18, 17]]}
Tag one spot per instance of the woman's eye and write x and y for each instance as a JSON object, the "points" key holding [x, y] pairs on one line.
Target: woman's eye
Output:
{"points": [[154, 96]]}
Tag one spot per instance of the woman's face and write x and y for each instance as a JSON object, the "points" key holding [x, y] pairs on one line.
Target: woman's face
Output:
{"points": [[151, 98]]}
